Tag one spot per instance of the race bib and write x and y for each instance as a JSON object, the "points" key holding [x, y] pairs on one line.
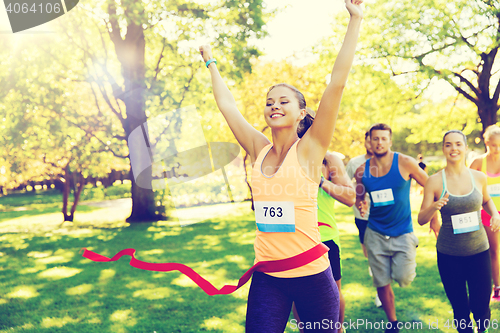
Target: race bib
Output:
{"points": [[382, 197], [466, 222], [494, 190], [275, 216]]}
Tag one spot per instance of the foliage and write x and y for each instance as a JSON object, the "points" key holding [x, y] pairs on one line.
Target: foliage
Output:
{"points": [[75, 96], [441, 45], [106, 193], [435, 166], [370, 96]]}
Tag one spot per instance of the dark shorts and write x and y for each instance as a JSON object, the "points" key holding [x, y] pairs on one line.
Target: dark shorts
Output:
{"points": [[361, 224], [270, 300], [335, 261]]}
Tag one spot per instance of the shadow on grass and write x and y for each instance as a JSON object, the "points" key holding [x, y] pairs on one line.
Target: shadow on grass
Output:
{"points": [[46, 286]]}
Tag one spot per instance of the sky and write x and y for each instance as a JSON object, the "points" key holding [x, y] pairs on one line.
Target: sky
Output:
{"points": [[297, 27]]}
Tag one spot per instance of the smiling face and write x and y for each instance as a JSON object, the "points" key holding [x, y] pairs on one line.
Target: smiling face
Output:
{"points": [[381, 142], [454, 147], [493, 144], [282, 108]]}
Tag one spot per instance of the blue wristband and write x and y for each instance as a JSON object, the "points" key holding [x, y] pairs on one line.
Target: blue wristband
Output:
{"points": [[210, 61]]}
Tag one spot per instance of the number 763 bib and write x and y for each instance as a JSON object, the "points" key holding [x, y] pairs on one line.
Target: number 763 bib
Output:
{"points": [[275, 216]]}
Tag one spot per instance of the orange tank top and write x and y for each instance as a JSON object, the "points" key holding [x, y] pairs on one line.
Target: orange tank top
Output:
{"points": [[286, 214]]}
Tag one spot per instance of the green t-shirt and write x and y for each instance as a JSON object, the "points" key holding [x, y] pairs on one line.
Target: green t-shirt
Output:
{"points": [[326, 215]]}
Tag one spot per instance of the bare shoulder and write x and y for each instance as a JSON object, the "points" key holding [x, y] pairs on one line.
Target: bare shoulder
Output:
{"points": [[406, 160], [435, 178], [359, 171], [477, 163], [408, 163], [478, 176], [435, 182], [258, 146]]}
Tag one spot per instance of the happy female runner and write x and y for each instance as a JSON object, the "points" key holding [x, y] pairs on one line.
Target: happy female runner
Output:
{"points": [[285, 178]]}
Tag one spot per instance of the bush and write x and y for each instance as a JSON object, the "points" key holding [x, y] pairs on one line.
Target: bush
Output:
{"points": [[102, 193], [435, 166]]}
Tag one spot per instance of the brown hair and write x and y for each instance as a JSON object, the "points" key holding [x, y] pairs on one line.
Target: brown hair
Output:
{"points": [[380, 127], [455, 131], [306, 122], [304, 125]]}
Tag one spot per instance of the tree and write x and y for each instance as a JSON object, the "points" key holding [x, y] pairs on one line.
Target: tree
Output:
{"points": [[134, 52], [370, 96], [430, 40], [50, 128]]}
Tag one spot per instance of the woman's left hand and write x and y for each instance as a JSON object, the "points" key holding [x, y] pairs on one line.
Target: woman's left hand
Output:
{"points": [[495, 223]]}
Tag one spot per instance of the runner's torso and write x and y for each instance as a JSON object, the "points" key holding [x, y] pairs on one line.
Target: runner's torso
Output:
{"points": [[493, 182], [286, 214], [390, 211], [462, 233]]}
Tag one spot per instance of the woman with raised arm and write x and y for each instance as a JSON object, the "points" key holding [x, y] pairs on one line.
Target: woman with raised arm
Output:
{"points": [[462, 245], [489, 164], [285, 179]]}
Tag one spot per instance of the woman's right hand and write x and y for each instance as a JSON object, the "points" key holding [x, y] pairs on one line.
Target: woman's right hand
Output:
{"points": [[354, 8], [206, 52], [441, 202]]}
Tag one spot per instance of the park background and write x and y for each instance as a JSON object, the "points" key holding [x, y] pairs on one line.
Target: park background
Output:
{"points": [[73, 90]]}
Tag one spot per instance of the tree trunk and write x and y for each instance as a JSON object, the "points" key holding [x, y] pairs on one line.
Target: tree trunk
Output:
{"points": [[143, 204], [76, 192], [131, 54], [488, 114], [246, 178], [76, 195], [66, 190]]}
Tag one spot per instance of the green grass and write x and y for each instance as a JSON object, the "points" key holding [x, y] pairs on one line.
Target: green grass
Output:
{"points": [[34, 203], [46, 286], [50, 201]]}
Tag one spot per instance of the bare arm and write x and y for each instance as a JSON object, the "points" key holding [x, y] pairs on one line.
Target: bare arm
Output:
{"points": [[421, 177], [488, 204], [431, 202], [415, 171], [318, 137], [248, 137], [477, 163], [361, 203], [339, 186]]}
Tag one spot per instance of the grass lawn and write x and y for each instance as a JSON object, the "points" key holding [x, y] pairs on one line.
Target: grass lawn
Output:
{"points": [[46, 285]]}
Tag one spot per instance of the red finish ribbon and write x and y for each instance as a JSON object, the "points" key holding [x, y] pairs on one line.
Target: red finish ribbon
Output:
{"points": [[271, 266]]}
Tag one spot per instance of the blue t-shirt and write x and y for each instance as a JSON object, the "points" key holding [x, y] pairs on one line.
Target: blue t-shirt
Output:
{"points": [[390, 211]]}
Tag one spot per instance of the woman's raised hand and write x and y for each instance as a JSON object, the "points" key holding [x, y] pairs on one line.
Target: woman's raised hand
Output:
{"points": [[354, 7], [206, 52]]}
